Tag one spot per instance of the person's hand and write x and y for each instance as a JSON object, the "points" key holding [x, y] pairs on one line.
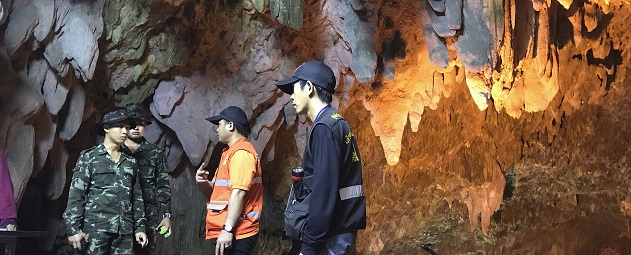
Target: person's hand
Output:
{"points": [[75, 240], [11, 227], [142, 239], [201, 175], [224, 241], [166, 223]]}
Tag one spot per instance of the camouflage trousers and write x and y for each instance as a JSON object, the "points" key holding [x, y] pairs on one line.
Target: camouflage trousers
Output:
{"points": [[109, 244]]}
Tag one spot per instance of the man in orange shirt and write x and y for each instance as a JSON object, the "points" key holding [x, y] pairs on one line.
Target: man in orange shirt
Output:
{"points": [[236, 192]]}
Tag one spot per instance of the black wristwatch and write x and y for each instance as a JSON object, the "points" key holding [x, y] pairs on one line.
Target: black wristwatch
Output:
{"points": [[227, 228], [167, 215]]}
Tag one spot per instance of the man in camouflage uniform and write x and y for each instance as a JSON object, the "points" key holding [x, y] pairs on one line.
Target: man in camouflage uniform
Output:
{"points": [[154, 178], [105, 206]]}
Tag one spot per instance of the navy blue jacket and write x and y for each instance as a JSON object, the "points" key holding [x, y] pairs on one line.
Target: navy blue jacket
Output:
{"points": [[333, 173]]}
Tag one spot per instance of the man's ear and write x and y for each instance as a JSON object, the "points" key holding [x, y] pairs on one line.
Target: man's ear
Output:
{"points": [[311, 88], [230, 126]]}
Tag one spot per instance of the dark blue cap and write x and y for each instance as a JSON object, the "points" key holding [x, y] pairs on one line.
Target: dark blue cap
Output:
{"points": [[233, 114], [315, 71]]}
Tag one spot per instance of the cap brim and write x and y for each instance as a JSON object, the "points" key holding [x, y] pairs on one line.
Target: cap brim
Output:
{"points": [[287, 85], [130, 120], [214, 119]]}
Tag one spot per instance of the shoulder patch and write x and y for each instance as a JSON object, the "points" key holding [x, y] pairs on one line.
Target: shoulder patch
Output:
{"points": [[336, 116]]}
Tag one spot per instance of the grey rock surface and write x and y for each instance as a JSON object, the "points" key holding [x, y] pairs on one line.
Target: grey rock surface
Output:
{"points": [[19, 153], [58, 168], [72, 117], [45, 130]]}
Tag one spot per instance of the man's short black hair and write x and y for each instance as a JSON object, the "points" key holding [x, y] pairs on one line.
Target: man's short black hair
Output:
{"points": [[243, 131], [323, 94]]}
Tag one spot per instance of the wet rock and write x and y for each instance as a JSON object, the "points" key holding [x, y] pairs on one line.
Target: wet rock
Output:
{"points": [[35, 74], [265, 125], [70, 120], [392, 49], [2, 16], [167, 94], [437, 5], [57, 172], [416, 112], [19, 153], [449, 79], [54, 54], [453, 11], [361, 39], [287, 12], [174, 155], [440, 23], [20, 26], [45, 19], [437, 91], [121, 76], [479, 90], [65, 49], [55, 91], [477, 43], [21, 100], [438, 53], [45, 130]]}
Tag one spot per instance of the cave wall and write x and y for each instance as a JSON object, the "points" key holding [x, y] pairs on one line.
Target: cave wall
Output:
{"points": [[476, 119]]}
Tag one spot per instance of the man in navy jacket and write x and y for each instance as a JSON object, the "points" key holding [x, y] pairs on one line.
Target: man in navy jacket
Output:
{"points": [[331, 163]]}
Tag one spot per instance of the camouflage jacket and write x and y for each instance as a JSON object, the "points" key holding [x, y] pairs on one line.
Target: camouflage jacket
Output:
{"points": [[105, 196], [154, 181]]}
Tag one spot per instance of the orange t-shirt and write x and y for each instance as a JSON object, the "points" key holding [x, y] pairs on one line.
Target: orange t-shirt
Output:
{"points": [[242, 170]]}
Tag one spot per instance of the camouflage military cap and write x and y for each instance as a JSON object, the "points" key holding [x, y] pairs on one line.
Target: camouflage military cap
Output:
{"points": [[137, 112], [114, 117], [117, 116]]}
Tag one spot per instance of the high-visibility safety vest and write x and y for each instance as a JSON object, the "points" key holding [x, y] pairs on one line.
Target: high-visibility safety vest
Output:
{"points": [[217, 207]]}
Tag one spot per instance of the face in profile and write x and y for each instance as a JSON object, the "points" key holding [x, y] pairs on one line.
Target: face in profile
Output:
{"points": [[300, 97], [223, 131]]}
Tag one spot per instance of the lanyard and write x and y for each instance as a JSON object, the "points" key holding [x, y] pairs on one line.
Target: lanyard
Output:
{"points": [[320, 112]]}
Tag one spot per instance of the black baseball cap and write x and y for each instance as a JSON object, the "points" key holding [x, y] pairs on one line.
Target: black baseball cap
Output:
{"points": [[315, 71], [233, 114], [137, 112]]}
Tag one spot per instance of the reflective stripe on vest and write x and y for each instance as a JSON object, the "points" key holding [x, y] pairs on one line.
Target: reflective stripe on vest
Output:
{"points": [[222, 183], [217, 205], [351, 192], [251, 215], [226, 183], [254, 215]]}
